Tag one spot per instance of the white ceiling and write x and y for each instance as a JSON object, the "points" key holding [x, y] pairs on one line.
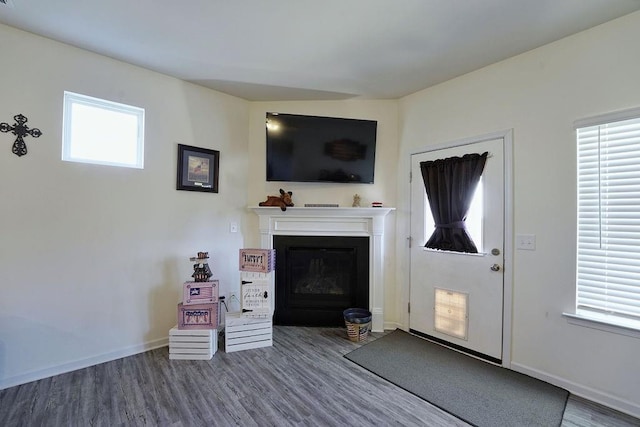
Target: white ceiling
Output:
{"points": [[311, 49]]}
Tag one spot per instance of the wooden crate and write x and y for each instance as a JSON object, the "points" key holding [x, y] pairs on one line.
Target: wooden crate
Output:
{"points": [[200, 292], [244, 333], [198, 316], [256, 297], [192, 344], [257, 260]]}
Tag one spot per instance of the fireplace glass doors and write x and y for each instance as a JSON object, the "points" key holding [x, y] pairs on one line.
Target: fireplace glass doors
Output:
{"points": [[318, 277]]}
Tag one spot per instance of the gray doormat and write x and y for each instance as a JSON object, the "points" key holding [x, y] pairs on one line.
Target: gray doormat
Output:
{"points": [[470, 389]]}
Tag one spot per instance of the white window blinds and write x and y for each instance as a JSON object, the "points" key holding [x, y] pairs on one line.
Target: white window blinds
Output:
{"points": [[608, 259]]}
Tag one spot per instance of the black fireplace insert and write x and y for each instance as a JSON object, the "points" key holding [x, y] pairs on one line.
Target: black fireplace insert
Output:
{"points": [[318, 277]]}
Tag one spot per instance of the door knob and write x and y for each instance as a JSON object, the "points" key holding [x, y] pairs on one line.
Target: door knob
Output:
{"points": [[495, 267]]}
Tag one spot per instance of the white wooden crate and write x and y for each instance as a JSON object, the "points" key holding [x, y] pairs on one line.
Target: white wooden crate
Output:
{"points": [[198, 344], [244, 333], [175, 344], [182, 356], [264, 281]]}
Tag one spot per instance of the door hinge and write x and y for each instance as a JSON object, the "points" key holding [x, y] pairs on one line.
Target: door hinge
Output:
{"points": [[408, 307], [410, 177], [410, 239]]}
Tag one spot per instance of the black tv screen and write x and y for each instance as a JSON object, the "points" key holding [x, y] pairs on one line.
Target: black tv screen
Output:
{"points": [[320, 149]]}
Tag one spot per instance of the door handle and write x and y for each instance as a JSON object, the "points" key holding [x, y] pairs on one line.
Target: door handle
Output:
{"points": [[495, 267]]}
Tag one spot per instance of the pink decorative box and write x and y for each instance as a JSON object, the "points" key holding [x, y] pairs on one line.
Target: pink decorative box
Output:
{"points": [[257, 260], [198, 316], [200, 292]]}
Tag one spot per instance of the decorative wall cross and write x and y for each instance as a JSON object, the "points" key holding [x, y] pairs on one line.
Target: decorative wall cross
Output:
{"points": [[20, 129]]}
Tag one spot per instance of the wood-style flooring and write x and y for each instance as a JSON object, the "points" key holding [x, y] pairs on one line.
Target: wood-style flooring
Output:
{"points": [[302, 380]]}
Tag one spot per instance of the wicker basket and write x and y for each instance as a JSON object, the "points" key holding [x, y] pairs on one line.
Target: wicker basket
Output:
{"points": [[358, 323]]}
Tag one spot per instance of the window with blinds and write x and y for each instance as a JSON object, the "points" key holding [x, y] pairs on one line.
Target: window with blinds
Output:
{"points": [[608, 258]]}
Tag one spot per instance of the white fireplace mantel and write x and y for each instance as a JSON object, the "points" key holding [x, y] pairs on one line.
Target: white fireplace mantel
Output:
{"points": [[334, 222]]}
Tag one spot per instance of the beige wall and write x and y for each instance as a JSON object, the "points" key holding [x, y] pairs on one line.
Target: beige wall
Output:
{"points": [[383, 188], [92, 258], [539, 95]]}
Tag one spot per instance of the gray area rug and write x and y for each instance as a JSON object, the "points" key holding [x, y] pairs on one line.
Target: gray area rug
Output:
{"points": [[474, 391]]}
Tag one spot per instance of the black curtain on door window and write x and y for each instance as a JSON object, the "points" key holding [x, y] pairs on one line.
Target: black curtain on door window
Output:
{"points": [[450, 184]]}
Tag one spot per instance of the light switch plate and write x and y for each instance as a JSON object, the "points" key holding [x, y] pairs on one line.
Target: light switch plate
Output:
{"points": [[526, 242]]}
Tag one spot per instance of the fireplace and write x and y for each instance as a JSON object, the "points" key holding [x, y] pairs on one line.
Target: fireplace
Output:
{"points": [[318, 277], [332, 222]]}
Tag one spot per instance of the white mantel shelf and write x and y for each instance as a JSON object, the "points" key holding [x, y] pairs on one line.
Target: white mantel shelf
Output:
{"points": [[316, 211], [319, 221]]}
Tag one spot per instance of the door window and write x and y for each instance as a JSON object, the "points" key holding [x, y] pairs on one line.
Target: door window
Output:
{"points": [[474, 221]]}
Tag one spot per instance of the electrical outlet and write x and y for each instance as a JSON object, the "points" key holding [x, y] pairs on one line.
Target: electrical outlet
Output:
{"points": [[233, 303]]}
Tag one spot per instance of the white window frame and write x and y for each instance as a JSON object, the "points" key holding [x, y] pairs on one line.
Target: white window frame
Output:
{"points": [[71, 99], [607, 261]]}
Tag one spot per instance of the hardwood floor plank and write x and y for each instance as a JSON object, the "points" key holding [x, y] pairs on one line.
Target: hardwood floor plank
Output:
{"points": [[302, 380], [583, 413]]}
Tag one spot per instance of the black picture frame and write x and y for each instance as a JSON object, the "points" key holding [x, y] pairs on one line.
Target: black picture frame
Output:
{"points": [[198, 169]]}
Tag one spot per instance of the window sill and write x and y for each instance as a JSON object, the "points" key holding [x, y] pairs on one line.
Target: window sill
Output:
{"points": [[440, 251], [630, 328]]}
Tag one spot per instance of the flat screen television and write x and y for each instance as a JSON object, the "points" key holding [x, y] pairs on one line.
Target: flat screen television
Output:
{"points": [[320, 149]]}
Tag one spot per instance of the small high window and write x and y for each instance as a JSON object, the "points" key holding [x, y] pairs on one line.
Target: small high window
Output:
{"points": [[102, 132]]}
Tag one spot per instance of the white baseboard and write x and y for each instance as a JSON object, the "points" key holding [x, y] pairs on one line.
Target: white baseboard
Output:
{"points": [[391, 326], [82, 363], [588, 393]]}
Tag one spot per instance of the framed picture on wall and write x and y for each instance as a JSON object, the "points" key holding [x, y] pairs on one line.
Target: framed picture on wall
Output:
{"points": [[197, 169]]}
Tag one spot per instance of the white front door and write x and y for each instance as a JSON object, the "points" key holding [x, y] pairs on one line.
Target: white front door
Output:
{"points": [[458, 297]]}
